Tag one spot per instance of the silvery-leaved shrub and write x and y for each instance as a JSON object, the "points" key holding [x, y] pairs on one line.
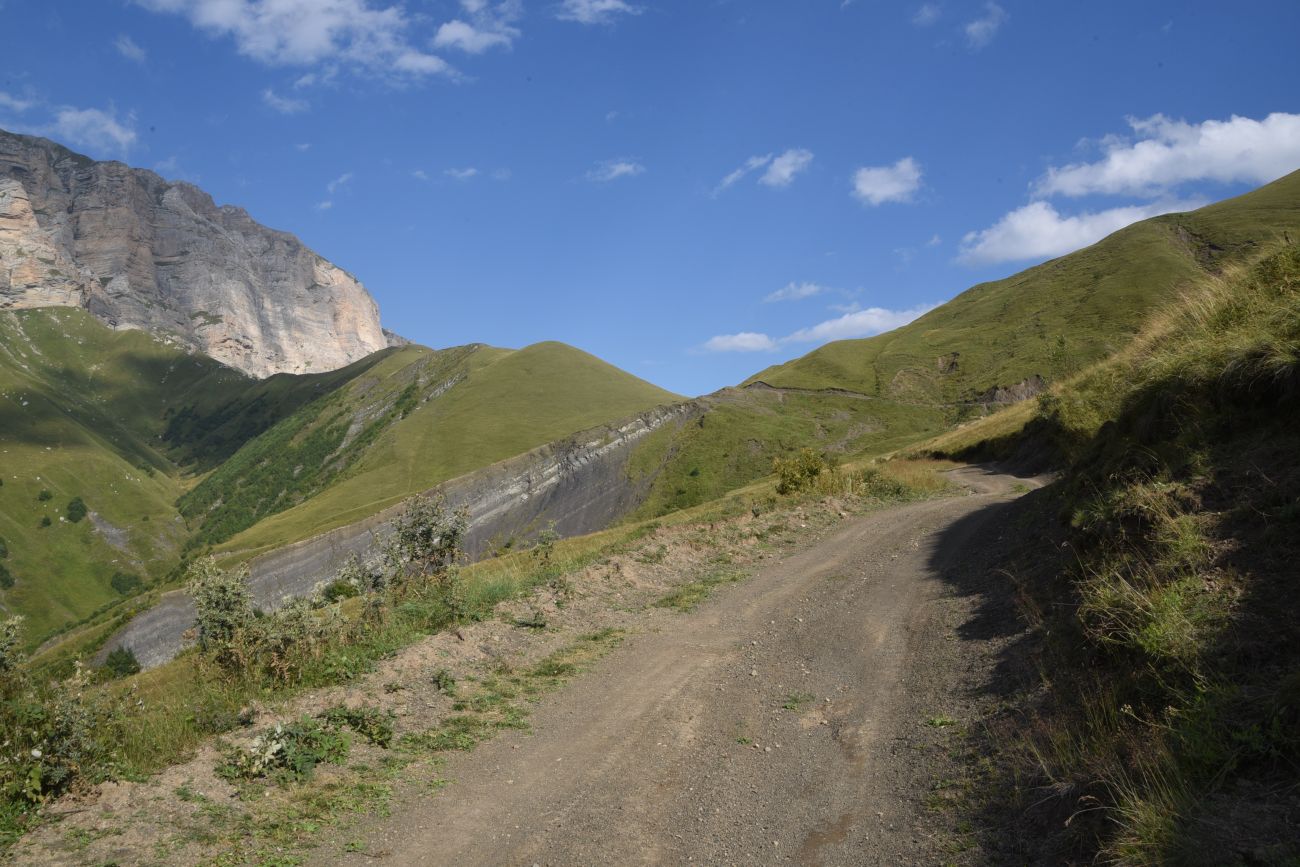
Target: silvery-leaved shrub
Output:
{"points": [[52, 734]]}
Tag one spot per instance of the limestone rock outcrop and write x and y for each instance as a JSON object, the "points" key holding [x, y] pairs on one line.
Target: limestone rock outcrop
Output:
{"points": [[142, 252]]}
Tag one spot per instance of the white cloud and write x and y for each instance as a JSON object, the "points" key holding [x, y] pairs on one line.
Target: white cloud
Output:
{"points": [[861, 323], [489, 27], [128, 48], [745, 341], [367, 39], [466, 37], [1039, 231], [284, 104], [501, 174], [461, 174], [751, 164], [325, 205], [420, 175], [341, 181], [926, 15], [781, 171], [981, 31], [853, 324], [1171, 152], [13, 103], [94, 129], [875, 185], [613, 169], [796, 292], [595, 11], [302, 147]]}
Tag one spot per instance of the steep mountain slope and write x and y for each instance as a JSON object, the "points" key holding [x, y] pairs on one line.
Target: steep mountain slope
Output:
{"points": [[1051, 319], [80, 412], [1159, 721], [140, 252]]}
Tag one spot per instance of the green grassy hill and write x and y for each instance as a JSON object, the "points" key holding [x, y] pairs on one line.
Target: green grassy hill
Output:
{"points": [[930, 375], [1054, 318], [1158, 578], [81, 411], [421, 417], [169, 451]]}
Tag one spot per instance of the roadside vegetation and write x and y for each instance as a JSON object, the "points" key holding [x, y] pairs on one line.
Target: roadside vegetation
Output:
{"points": [[1165, 724], [119, 723]]}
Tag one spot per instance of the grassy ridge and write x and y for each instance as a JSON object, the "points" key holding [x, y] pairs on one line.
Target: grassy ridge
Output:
{"points": [[170, 450], [1167, 717], [1055, 318], [507, 403]]}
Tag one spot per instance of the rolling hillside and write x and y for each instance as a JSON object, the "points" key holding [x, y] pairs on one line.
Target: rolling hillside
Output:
{"points": [[81, 409], [169, 450], [1052, 319], [993, 344], [419, 418]]}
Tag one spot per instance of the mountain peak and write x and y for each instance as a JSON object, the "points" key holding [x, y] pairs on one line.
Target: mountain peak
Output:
{"points": [[141, 252]]}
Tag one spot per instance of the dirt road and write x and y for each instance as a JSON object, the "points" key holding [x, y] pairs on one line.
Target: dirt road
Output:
{"points": [[787, 720]]}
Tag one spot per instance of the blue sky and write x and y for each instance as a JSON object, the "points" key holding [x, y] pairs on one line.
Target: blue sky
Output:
{"points": [[690, 189]]}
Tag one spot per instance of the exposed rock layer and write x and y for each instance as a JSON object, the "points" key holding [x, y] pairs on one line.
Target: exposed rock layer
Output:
{"points": [[139, 251], [579, 485]]}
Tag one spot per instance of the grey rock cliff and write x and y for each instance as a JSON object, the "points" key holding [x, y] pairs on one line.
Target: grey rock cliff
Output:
{"points": [[138, 251]]}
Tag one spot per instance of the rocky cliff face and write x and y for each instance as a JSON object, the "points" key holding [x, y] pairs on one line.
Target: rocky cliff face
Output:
{"points": [[140, 252]]}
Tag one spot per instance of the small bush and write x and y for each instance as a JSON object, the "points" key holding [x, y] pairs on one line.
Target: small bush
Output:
{"points": [[45, 495], [76, 509], [6, 580], [51, 734], [45, 521], [4, 549], [287, 753], [121, 662], [225, 610], [374, 725], [798, 472], [125, 583]]}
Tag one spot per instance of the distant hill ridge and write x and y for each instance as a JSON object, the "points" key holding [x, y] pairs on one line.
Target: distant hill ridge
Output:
{"points": [[141, 252], [1002, 341]]}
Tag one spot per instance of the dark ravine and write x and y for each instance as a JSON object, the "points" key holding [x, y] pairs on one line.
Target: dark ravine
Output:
{"points": [[579, 484]]}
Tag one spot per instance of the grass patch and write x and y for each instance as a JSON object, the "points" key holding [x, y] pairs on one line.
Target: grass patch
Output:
{"points": [[688, 596]]}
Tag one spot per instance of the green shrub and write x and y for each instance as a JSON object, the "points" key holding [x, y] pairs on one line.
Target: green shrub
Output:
{"points": [[374, 725], [4, 549], [76, 509], [871, 482], [45, 521], [286, 753], [121, 662], [125, 583], [51, 733], [225, 610], [798, 472], [45, 495], [6, 579]]}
